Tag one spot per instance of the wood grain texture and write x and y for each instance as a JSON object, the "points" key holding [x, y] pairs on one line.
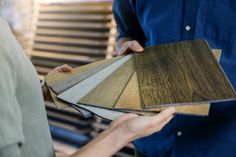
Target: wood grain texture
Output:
{"points": [[77, 92], [130, 101], [108, 91], [130, 98], [59, 76], [68, 49], [108, 114], [55, 77], [181, 73], [63, 105], [61, 86]]}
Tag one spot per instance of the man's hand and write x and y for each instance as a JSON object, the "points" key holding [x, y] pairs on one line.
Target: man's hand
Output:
{"points": [[126, 45], [140, 126]]}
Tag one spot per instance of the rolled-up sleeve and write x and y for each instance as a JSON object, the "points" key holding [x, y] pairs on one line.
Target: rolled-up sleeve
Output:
{"points": [[127, 21]]}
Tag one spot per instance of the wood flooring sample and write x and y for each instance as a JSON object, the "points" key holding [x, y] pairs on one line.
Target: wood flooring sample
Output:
{"points": [[62, 85], [130, 101], [55, 77], [181, 74], [63, 105], [80, 90], [108, 91]]}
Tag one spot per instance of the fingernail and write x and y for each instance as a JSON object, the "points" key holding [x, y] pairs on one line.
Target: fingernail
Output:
{"points": [[139, 50]]}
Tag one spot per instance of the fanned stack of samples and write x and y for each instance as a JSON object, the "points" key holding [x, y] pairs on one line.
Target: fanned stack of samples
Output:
{"points": [[184, 75]]}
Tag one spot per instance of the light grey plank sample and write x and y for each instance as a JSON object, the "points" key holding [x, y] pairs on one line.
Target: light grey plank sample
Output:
{"points": [[77, 92]]}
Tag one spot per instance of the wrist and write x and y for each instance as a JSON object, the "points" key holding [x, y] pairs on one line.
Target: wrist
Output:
{"points": [[124, 136]]}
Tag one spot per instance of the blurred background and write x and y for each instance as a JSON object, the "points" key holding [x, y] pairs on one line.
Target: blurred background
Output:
{"points": [[73, 32]]}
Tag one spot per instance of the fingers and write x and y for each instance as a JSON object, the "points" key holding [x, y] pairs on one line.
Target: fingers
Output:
{"points": [[136, 47], [164, 122], [63, 68], [164, 116], [131, 46], [124, 49]]}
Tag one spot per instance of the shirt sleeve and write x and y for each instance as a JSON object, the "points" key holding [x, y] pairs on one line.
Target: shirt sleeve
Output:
{"points": [[126, 20], [11, 131], [10, 151]]}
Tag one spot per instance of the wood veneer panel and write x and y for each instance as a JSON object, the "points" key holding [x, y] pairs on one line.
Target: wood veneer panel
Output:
{"points": [[64, 57], [108, 114], [74, 25], [77, 92], [87, 8], [130, 100], [59, 76], [67, 49], [85, 110], [72, 17], [72, 33], [181, 73], [56, 77], [50, 63], [60, 86], [108, 91], [70, 41], [62, 105]]}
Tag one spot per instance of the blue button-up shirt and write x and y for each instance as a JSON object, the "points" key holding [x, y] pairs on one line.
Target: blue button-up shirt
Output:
{"points": [[154, 22]]}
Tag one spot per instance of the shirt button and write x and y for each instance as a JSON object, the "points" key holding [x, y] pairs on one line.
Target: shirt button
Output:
{"points": [[179, 133], [187, 28]]}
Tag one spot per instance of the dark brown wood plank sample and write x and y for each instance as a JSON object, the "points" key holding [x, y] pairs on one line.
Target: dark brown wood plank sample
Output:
{"points": [[108, 91], [130, 98], [181, 73], [62, 85]]}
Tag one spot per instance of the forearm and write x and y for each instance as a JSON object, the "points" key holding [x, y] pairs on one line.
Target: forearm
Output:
{"points": [[106, 144]]}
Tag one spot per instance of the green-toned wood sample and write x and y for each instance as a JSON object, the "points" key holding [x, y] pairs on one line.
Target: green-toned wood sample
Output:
{"points": [[108, 91]]}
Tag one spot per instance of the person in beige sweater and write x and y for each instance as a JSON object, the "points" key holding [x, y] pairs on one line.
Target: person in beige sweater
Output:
{"points": [[24, 130]]}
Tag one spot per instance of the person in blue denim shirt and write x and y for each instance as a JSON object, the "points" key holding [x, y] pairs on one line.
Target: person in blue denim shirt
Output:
{"points": [[144, 23]]}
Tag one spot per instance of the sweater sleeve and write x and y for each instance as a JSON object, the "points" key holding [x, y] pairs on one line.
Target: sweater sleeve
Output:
{"points": [[11, 131]]}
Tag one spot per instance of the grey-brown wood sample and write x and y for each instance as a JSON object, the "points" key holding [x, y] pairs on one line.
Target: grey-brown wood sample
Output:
{"points": [[181, 73], [107, 93], [65, 84]]}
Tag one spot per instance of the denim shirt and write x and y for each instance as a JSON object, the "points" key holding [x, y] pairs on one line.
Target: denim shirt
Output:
{"points": [[154, 22]]}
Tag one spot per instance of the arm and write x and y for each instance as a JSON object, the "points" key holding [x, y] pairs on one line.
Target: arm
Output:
{"points": [[124, 130], [11, 131], [131, 35]]}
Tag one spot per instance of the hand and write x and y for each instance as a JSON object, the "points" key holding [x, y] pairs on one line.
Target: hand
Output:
{"points": [[140, 126], [62, 68], [130, 46]]}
